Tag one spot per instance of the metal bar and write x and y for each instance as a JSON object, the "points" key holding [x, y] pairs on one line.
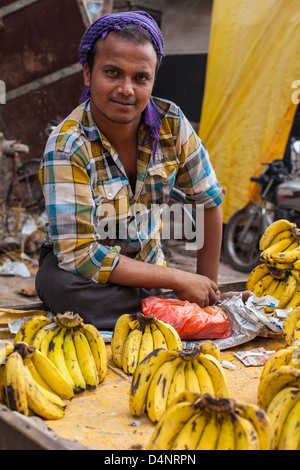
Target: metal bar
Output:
{"points": [[15, 6], [41, 82]]}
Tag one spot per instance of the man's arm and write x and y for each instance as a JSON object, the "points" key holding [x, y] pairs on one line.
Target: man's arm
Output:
{"points": [[187, 286], [209, 256]]}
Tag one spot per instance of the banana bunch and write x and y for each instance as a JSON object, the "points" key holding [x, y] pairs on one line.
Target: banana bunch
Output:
{"points": [[282, 284], [75, 348], [278, 395], [284, 415], [291, 327], [137, 335], [30, 383], [287, 356], [278, 275], [276, 379], [163, 375], [203, 422], [280, 238]]}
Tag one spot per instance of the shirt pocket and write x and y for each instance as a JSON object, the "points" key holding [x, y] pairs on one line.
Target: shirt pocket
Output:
{"points": [[160, 180], [111, 198]]}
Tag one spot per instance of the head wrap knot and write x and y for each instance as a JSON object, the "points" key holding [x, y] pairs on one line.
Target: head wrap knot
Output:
{"points": [[114, 22]]}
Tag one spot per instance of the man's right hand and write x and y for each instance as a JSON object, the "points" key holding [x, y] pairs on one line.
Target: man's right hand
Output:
{"points": [[196, 289]]}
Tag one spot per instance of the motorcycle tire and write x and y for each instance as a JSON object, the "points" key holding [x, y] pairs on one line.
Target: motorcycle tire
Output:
{"points": [[243, 255]]}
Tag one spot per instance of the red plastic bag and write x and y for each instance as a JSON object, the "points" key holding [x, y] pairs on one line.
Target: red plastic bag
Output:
{"points": [[188, 319]]}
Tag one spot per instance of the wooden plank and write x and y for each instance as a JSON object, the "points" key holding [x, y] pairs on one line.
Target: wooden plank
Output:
{"points": [[17, 433]]}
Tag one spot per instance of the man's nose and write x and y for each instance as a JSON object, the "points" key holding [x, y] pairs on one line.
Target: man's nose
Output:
{"points": [[126, 87]]}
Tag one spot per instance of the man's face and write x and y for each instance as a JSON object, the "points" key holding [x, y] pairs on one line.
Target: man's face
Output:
{"points": [[121, 80]]}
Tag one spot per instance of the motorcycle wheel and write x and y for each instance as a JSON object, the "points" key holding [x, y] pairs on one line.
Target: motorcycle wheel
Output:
{"points": [[242, 253]]}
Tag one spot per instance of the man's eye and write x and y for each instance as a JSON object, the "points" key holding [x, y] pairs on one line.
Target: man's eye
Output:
{"points": [[141, 78], [111, 73]]}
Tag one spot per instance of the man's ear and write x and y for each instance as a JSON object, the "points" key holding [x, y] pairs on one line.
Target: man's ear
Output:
{"points": [[86, 74]]}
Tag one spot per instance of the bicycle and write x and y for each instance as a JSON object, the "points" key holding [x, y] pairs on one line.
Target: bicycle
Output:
{"points": [[24, 187]]}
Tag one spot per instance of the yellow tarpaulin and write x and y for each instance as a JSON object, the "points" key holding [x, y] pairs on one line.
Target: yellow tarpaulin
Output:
{"points": [[248, 110]]}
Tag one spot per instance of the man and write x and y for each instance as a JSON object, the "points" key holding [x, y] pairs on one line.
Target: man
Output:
{"points": [[117, 157]]}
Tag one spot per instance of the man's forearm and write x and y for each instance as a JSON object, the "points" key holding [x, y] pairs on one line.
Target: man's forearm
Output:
{"points": [[209, 256], [135, 273]]}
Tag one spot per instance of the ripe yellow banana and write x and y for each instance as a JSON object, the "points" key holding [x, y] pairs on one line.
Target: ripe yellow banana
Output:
{"points": [[131, 350], [2, 385], [159, 341], [289, 324], [280, 288], [15, 383], [258, 289], [296, 274], [56, 355], [210, 435], [273, 231], [296, 264], [272, 287], [283, 235], [178, 384], [204, 380], [191, 432], [42, 384], [274, 381], [226, 439], [29, 328], [295, 300], [85, 359], [293, 245], [278, 410], [157, 396], [120, 333], [261, 422], [72, 364], [170, 424], [210, 347], [289, 291], [44, 335], [98, 348], [143, 376], [256, 274], [277, 248], [279, 270], [6, 347], [38, 402], [261, 286], [246, 437], [191, 379], [216, 373], [290, 433], [171, 336], [52, 376], [281, 357], [296, 335], [289, 256], [146, 346]]}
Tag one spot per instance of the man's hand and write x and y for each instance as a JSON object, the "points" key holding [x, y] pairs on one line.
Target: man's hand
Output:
{"points": [[196, 289]]}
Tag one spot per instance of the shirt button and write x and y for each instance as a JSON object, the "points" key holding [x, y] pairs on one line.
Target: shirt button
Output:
{"points": [[109, 194]]}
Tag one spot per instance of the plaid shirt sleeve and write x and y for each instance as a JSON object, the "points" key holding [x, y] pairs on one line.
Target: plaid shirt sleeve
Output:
{"points": [[72, 212]]}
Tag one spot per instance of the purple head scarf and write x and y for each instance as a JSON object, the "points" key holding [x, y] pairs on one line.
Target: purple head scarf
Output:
{"points": [[116, 21]]}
